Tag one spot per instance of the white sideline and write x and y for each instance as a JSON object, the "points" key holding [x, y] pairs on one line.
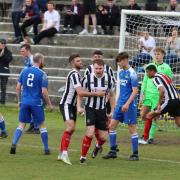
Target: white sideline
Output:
{"points": [[75, 150]]}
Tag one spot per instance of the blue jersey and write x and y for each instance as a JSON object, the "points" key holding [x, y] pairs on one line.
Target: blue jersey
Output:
{"points": [[32, 80], [128, 80], [28, 62]]}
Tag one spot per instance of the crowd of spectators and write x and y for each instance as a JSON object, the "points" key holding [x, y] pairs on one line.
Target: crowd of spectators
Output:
{"points": [[107, 15]]}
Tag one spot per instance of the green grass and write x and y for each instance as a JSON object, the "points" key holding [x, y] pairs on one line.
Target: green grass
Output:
{"points": [[160, 161]]}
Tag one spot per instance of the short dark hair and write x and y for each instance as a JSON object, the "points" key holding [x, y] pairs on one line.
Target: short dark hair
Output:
{"points": [[26, 46], [151, 67], [121, 56], [37, 57], [51, 2], [159, 49], [98, 52], [2, 41], [72, 57], [99, 62]]}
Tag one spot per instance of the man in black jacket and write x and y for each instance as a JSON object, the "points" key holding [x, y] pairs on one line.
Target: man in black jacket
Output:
{"points": [[73, 17], [132, 5], [5, 59], [113, 15]]}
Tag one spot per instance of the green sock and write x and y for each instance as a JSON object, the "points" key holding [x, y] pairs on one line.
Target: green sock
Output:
{"points": [[152, 130], [142, 125]]}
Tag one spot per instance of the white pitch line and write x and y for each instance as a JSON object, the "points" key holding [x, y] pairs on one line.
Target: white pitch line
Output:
{"points": [[152, 159], [75, 150]]}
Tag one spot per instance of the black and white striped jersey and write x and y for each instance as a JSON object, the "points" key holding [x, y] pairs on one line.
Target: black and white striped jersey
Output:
{"points": [[169, 89], [107, 69], [70, 94], [93, 83]]}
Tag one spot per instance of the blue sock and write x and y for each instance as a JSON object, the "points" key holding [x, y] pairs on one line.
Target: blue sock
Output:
{"points": [[2, 125], [112, 139], [17, 135], [44, 137], [134, 141]]}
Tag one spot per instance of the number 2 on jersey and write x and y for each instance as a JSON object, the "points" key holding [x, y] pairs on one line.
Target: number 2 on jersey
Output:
{"points": [[30, 80]]}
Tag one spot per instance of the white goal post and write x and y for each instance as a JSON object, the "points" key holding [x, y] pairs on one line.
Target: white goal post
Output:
{"points": [[154, 20]]}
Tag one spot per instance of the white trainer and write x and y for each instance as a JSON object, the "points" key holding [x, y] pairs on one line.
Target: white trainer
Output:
{"points": [[64, 158], [84, 32], [94, 32], [142, 141]]}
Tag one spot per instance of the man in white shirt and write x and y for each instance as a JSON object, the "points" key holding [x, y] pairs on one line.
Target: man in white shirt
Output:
{"points": [[50, 26], [146, 45]]}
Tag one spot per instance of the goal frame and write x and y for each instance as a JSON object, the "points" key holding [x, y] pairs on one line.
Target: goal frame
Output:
{"points": [[123, 24]]}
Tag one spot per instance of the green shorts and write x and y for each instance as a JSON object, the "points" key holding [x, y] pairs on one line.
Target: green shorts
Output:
{"points": [[151, 102]]}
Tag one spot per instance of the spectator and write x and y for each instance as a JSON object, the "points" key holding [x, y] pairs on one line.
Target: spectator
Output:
{"points": [[16, 16], [172, 48], [146, 45], [133, 21], [42, 5], [113, 16], [31, 17], [132, 5], [151, 5], [73, 16], [50, 26], [173, 6], [89, 7], [102, 17], [5, 59]]}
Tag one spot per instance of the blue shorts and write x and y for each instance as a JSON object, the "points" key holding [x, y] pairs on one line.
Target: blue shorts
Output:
{"points": [[129, 117], [27, 112]]}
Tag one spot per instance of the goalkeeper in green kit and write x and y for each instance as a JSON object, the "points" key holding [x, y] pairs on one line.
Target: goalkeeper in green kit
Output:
{"points": [[150, 96]]}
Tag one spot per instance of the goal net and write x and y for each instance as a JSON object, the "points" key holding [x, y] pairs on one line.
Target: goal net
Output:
{"points": [[162, 30]]}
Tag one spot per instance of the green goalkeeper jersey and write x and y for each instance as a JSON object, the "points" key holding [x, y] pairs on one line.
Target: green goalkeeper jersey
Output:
{"points": [[148, 88]]}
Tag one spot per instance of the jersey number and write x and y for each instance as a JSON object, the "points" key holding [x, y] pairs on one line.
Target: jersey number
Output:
{"points": [[30, 80]]}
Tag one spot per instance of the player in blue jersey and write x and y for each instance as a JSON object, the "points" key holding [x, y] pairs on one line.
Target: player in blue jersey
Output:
{"points": [[2, 127], [126, 108], [31, 88], [25, 51]]}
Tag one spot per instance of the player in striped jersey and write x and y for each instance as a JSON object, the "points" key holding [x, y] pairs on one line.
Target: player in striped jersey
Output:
{"points": [[96, 106], [150, 95], [168, 98], [126, 108], [99, 55], [68, 104], [107, 69]]}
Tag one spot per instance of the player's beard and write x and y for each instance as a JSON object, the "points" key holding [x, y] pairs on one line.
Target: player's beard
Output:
{"points": [[41, 66], [79, 67]]}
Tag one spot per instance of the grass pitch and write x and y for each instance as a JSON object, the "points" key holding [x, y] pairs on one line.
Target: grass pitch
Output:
{"points": [[159, 161]]}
